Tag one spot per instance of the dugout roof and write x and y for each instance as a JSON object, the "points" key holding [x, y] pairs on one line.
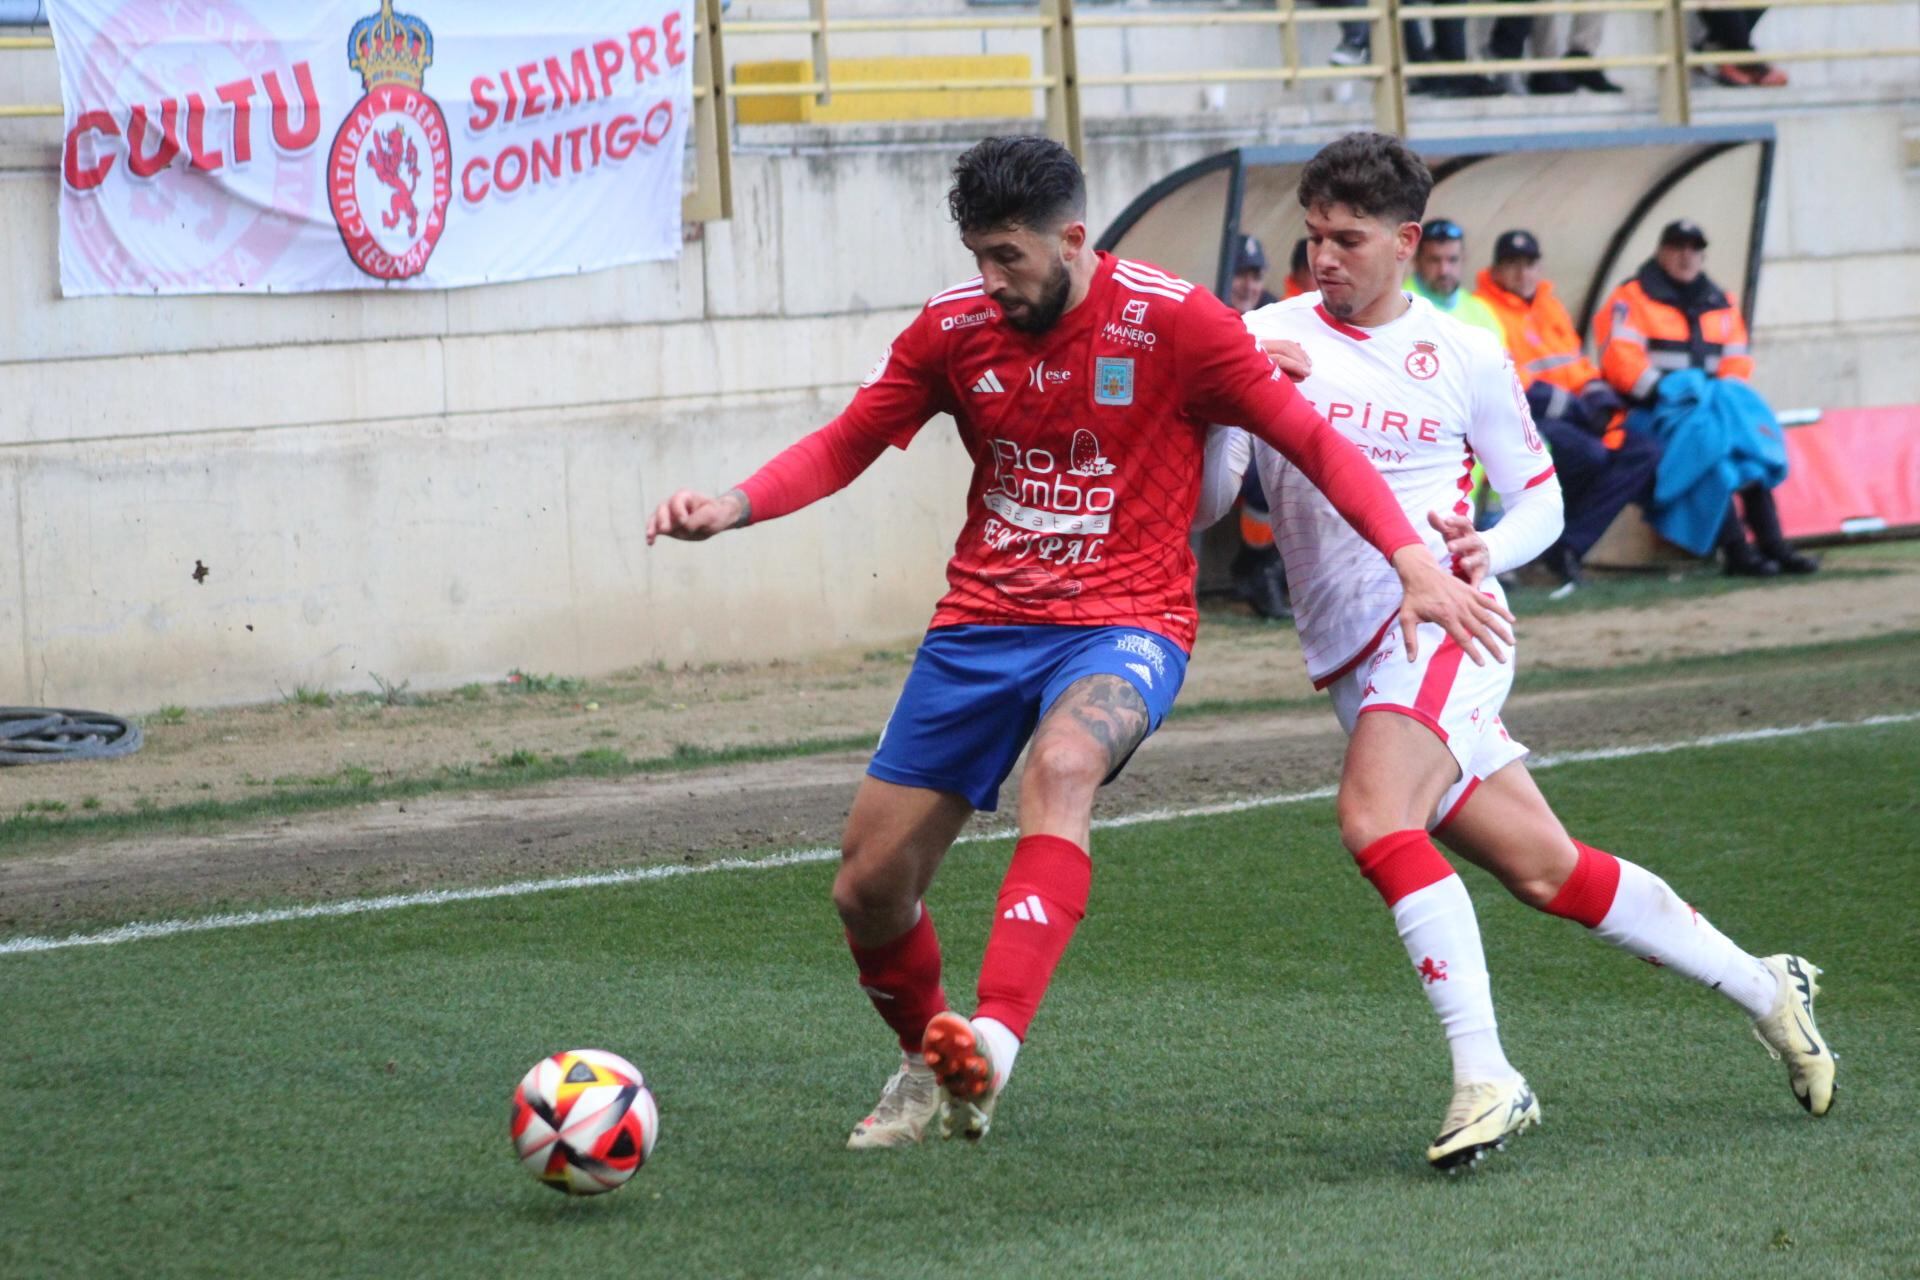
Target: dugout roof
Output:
{"points": [[1597, 202]]}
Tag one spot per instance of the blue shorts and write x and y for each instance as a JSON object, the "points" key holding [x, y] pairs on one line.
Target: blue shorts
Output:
{"points": [[976, 692]]}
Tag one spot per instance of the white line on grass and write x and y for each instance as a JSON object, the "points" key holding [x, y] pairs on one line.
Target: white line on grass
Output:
{"points": [[137, 932]]}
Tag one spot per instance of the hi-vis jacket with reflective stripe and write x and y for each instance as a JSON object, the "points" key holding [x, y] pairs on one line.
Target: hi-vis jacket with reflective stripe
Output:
{"points": [[1540, 335], [1652, 326]]}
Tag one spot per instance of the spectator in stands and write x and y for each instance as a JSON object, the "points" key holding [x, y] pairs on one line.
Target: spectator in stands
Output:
{"points": [[1731, 31], [1602, 467], [1674, 344], [1449, 45], [1249, 288], [1259, 578], [1299, 272], [1438, 265], [1508, 39]]}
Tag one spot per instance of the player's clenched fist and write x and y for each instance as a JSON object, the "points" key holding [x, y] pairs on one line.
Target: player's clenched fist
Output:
{"points": [[695, 517]]}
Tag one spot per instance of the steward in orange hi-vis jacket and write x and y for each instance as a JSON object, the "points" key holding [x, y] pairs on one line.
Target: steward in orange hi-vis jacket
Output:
{"points": [[1540, 334], [1655, 323]]}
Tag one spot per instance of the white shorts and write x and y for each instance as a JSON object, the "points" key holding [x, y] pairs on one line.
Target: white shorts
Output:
{"points": [[1444, 691]]}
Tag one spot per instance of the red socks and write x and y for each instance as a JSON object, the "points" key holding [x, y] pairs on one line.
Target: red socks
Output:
{"points": [[1041, 901], [1402, 863], [902, 978], [1588, 894]]}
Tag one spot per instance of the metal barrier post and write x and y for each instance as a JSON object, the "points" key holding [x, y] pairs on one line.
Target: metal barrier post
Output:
{"points": [[711, 199], [1062, 70], [1390, 90], [1676, 98], [822, 69], [1290, 44]]}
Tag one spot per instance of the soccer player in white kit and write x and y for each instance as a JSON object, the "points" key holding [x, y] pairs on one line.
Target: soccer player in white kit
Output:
{"points": [[1424, 396]]}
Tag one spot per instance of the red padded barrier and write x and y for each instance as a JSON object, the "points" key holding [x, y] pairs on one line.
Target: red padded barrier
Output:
{"points": [[1853, 471]]}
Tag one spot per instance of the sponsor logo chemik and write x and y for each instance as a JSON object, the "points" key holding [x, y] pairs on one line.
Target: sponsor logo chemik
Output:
{"points": [[967, 321]]}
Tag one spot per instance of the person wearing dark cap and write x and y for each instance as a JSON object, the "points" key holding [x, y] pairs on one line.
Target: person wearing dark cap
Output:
{"points": [[1674, 344], [1602, 467], [1249, 287]]}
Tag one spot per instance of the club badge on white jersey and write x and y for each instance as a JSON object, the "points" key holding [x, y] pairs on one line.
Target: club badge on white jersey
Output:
{"points": [[1424, 397]]}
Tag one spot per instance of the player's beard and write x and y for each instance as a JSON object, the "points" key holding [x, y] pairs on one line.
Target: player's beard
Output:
{"points": [[1040, 314]]}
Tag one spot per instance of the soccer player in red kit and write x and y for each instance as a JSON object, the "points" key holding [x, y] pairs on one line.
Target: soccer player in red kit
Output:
{"points": [[1081, 384]]}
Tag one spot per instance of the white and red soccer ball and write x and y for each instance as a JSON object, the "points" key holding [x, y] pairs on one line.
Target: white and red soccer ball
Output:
{"points": [[584, 1121]]}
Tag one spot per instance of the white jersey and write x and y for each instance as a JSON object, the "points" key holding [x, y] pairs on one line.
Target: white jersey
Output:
{"points": [[1424, 397]]}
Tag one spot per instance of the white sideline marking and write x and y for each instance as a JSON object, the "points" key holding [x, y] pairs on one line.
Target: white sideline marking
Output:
{"points": [[137, 932]]}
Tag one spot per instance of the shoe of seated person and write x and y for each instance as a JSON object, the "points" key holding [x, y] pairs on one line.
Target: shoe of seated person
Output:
{"points": [[1592, 79], [1768, 76], [1562, 561], [1743, 560], [1350, 53], [1791, 561], [1736, 75], [1550, 83]]}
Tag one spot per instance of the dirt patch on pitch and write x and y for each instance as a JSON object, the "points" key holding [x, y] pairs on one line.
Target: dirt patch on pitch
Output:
{"points": [[247, 753], [583, 825]]}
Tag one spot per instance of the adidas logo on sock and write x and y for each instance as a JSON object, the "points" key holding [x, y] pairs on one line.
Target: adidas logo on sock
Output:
{"points": [[988, 384], [1028, 910]]}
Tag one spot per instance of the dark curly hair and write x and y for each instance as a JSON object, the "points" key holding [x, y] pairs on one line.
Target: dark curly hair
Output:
{"points": [[1025, 182], [1374, 174]]}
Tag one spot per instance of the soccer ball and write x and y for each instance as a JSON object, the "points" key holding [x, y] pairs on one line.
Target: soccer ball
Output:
{"points": [[584, 1121]]}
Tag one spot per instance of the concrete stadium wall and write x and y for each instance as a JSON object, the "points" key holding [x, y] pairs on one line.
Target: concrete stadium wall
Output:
{"points": [[440, 486]]}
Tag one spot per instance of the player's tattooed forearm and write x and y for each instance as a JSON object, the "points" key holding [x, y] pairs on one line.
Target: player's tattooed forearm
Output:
{"points": [[746, 507], [1113, 713]]}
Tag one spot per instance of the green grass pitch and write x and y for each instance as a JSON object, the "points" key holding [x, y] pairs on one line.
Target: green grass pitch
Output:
{"points": [[1235, 1073]]}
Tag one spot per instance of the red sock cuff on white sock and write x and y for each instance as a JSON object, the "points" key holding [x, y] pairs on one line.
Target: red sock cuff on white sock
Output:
{"points": [[1402, 863], [1588, 894]]}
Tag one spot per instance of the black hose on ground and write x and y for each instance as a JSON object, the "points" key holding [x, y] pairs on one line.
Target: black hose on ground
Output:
{"points": [[47, 735]]}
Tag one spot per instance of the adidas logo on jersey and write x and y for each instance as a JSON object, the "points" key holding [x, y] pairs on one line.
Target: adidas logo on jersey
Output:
{"points": [[988, 384], [1028, 910]]}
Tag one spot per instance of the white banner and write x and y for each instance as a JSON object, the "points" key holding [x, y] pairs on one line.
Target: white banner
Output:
{"points": [[285, 145]]}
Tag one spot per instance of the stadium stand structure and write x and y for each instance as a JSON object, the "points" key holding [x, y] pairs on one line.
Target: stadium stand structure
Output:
{"points": [[443, 484]]}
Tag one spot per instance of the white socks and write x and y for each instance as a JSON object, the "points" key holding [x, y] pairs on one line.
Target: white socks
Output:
{"points": [[1002, 1046], [1649, 919], [1442, 937]]}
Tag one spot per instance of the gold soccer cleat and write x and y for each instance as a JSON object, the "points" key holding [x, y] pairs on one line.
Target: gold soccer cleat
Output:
{"points": [[1790, 1034], [1480, 1120]]}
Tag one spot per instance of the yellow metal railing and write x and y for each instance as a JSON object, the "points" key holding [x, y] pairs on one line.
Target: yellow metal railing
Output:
{"points": [[1061, 82]]}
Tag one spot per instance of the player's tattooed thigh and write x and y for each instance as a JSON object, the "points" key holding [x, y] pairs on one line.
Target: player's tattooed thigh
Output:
{"points": [[1107, 709]]}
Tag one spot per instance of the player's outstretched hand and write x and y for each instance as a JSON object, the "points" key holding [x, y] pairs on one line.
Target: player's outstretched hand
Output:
{"points": [[1290, 356], [1464, 544], [1433, 595], [695, 517]]}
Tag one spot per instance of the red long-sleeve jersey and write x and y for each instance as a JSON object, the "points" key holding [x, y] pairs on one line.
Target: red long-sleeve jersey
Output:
{"points": [[1087, 444]]}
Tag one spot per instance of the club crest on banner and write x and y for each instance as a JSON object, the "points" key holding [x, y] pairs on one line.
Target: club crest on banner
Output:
{"points": [[390, 175]]}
